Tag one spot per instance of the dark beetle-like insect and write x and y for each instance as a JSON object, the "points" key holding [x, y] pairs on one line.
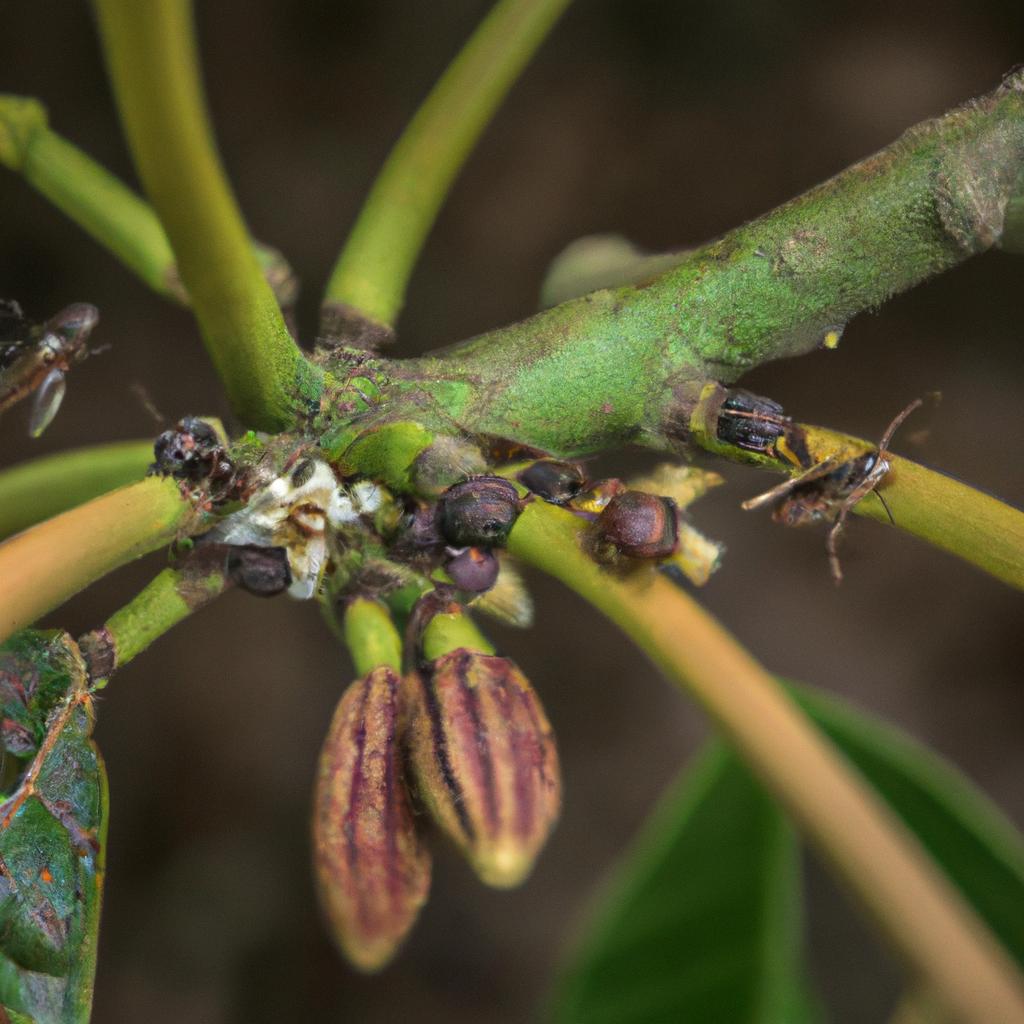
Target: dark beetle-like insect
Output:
{"points": [[557, 482], [38, 359], [640, 525], [479, 512], [192, 451], [750, 421]]}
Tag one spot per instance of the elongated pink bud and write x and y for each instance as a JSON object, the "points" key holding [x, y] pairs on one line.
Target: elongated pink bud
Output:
{"points": [[484, 761], [372, 871]]}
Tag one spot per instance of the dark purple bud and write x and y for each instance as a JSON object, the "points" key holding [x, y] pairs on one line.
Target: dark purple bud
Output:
{"points": [[479, 512], [557, 482], [640, 525], [473, 569], [261, 571]]}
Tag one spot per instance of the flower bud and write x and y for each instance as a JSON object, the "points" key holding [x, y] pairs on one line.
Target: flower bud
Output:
{"points": [[640, 525], [473, 569], [372, 871], [484, 761], [479, 512]]}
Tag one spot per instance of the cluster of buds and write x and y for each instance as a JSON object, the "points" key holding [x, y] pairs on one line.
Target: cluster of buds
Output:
{"points": [[440, 728], [462, 735]]}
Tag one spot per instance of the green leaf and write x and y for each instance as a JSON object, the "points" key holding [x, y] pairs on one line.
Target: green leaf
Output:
{"points": [[964, 831], [52, 832], [702, 922], [711, 878]]}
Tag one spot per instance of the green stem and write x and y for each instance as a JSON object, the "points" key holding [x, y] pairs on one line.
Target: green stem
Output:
{"points": [[367, 286], [102, 205], [171, 596], [450, 631], [48, 563], [939, 936], [626, 364], [33, 491], [371, 636], [151, 53]]}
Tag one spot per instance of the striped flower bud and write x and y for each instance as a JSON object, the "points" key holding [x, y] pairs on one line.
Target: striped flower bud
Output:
{"points": [[484, 761], [372, 871]]}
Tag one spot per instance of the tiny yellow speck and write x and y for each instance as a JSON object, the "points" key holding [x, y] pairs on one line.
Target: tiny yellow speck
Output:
{"points": [[831, 339]]}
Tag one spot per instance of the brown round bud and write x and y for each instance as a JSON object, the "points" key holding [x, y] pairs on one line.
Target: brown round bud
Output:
{"points": [[557, 482], [479, 512], [640, 525]]}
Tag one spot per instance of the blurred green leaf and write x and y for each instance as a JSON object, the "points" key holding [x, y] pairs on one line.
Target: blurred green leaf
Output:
{"points": [[52, 832], [964, 831], [702, 922]]}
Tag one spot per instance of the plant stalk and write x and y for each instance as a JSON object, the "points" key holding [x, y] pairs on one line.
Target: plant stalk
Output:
{"points": [[367, 287], [48, 563], [938, 935], [151, 53]]}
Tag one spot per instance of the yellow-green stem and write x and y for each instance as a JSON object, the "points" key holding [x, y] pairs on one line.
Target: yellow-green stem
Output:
{"points": [[937, 934], [48, 563], [372, 273], [33, 491], [371, 636], [151, 54]]}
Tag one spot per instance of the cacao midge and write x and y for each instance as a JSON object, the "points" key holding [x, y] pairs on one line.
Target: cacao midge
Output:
{"points": [[640, 525], [479, 512], [483, 760], [372, 871]]}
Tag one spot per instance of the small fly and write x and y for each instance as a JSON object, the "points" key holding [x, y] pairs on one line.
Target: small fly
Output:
{"points": [[828, 491], [37, 359]]}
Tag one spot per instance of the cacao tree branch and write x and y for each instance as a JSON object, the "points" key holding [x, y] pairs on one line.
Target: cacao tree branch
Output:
{"points": [[627, 364], [367, 287], [935, 931], [151, 54]]}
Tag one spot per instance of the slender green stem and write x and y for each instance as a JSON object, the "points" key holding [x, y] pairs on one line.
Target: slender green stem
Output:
{"points": [[102, 205], [151, 53], [48, 563], [33, 491], [450, 631], [939, 936], [371, 636], [171, 596], [367, 287]]}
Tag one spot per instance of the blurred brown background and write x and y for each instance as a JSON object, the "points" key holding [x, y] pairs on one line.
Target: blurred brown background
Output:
{"points": [[669, 122]]}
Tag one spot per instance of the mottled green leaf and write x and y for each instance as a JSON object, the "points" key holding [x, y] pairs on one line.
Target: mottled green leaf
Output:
{"points": [[702, 922], [52, 832]]}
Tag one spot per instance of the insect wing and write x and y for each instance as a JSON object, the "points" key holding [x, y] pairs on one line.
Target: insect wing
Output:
{"points": [[47, 401]]}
